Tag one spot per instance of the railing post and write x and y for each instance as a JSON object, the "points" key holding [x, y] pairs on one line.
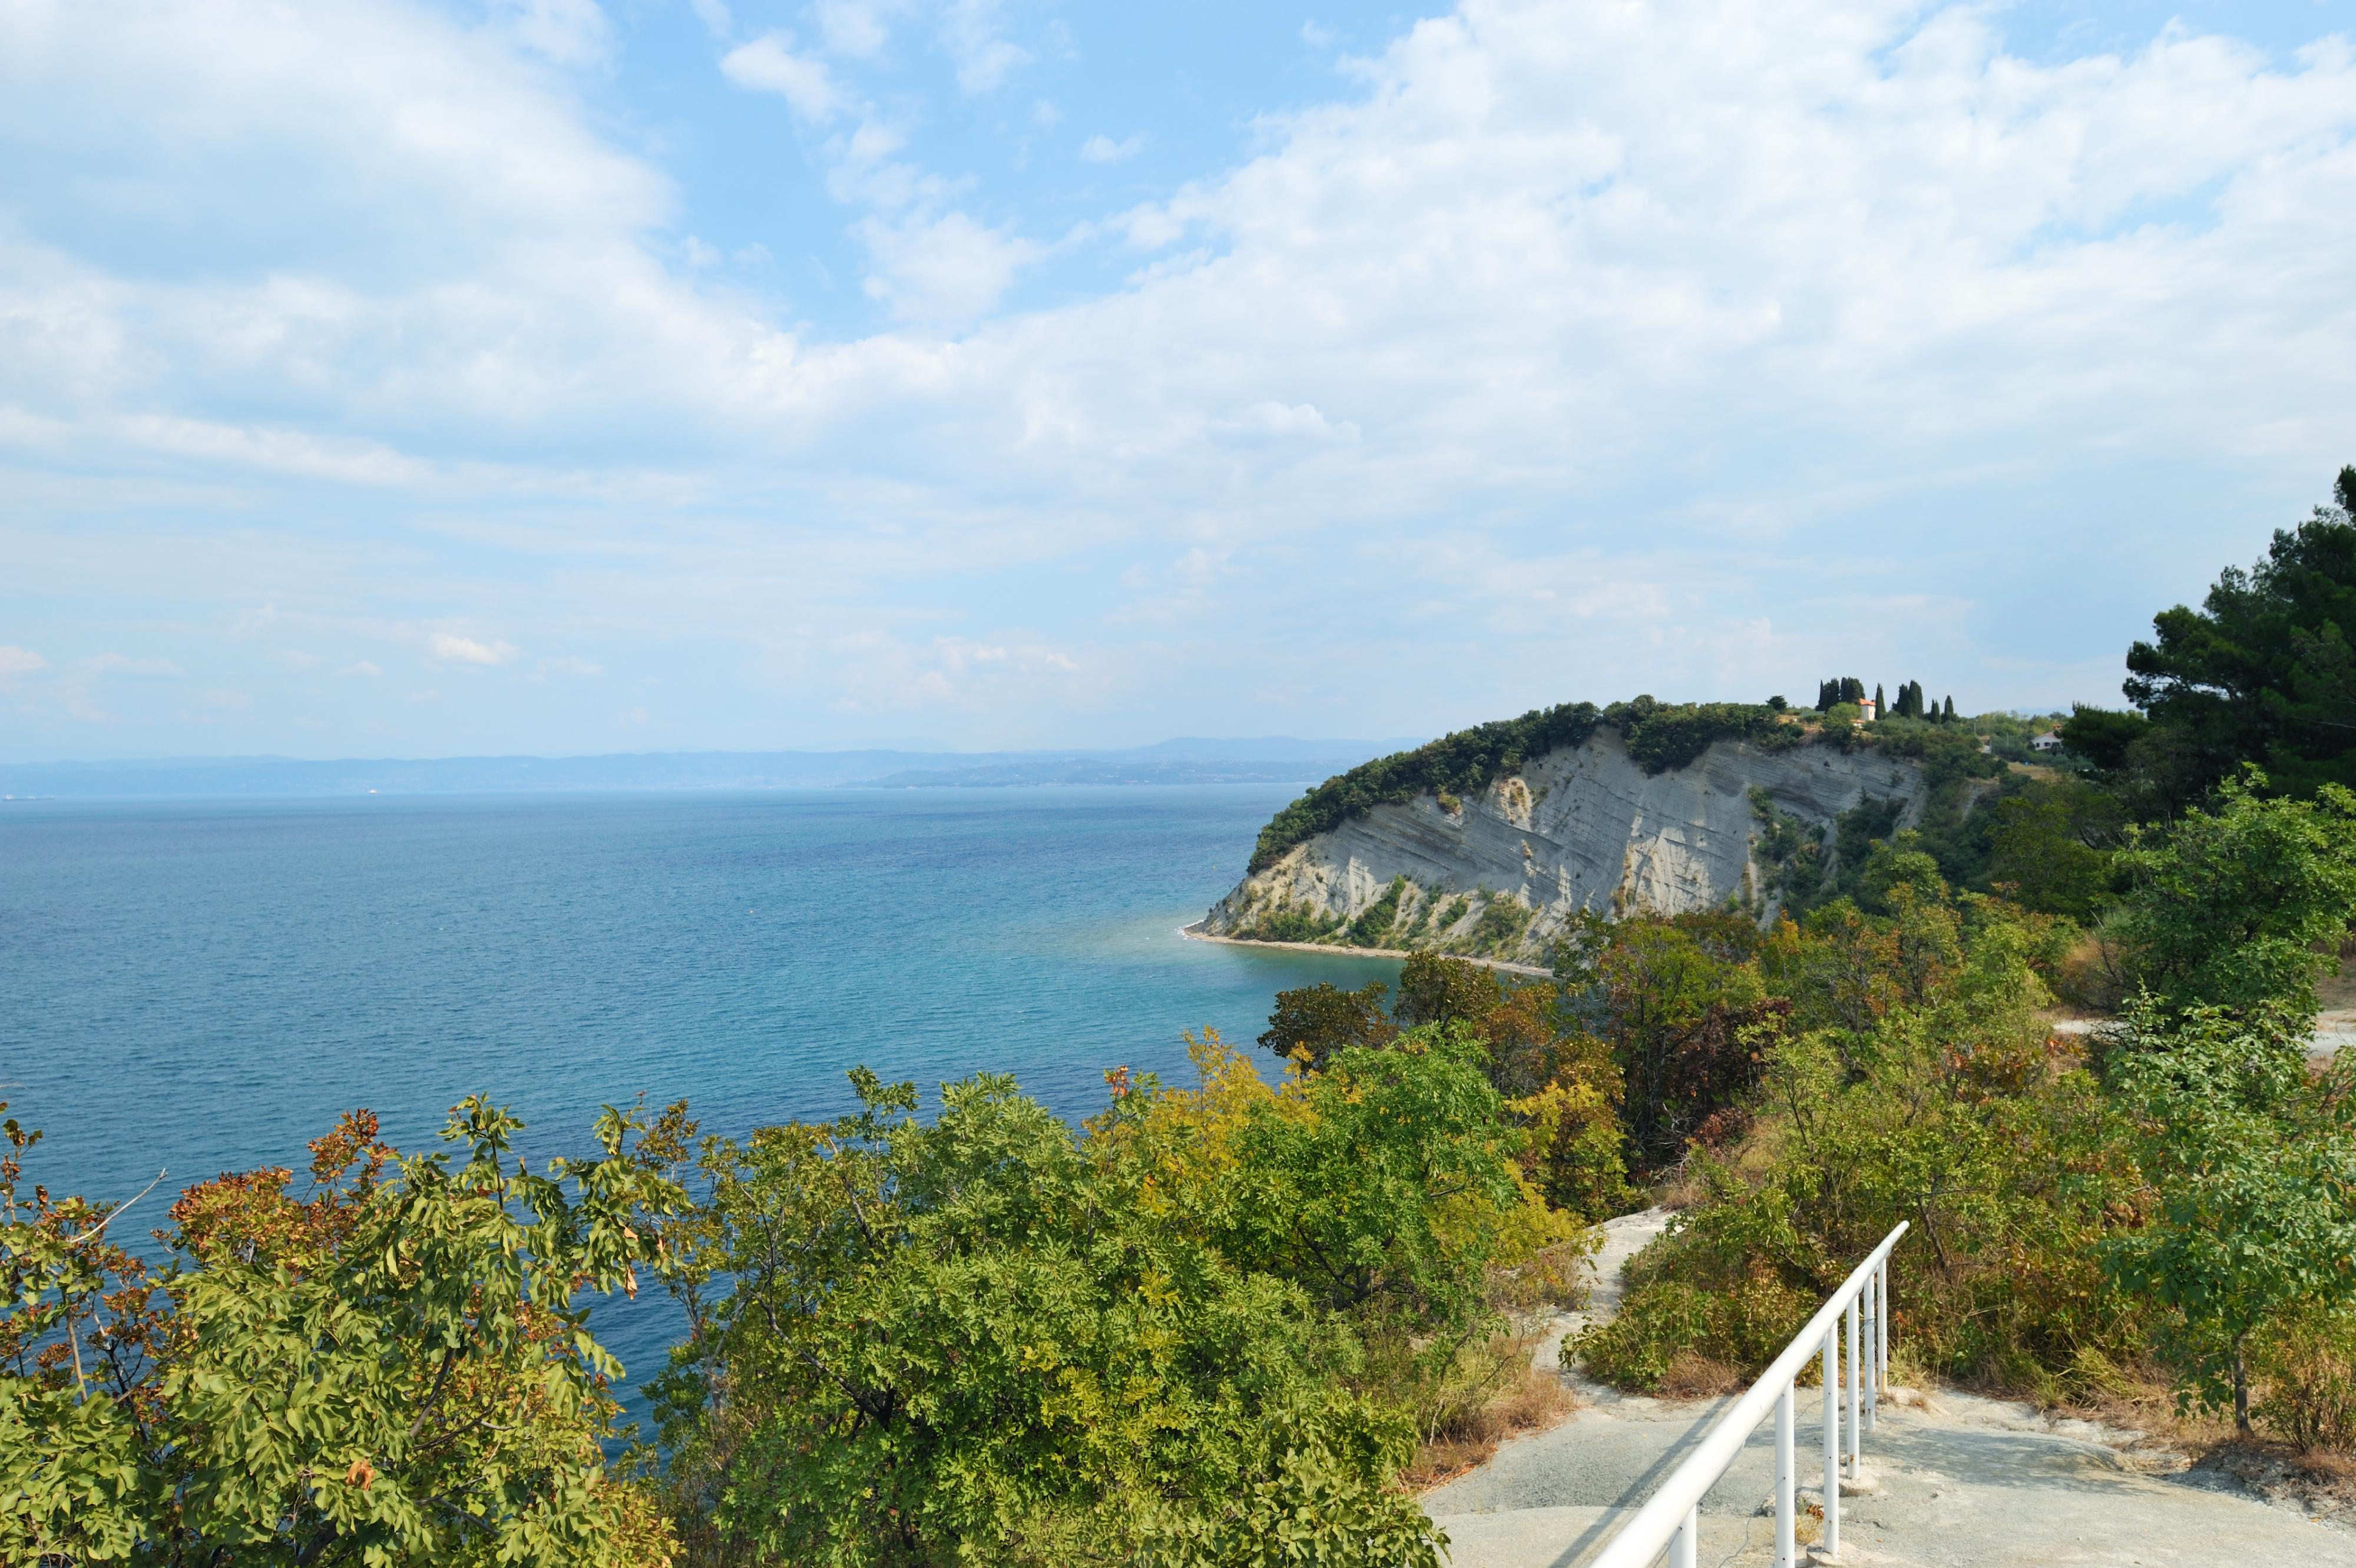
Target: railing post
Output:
{"points": [[1685, 1546], [1786, 1473], [1832, 1442], [1855, 1371], [1881, 1340], [1872, 1347]]}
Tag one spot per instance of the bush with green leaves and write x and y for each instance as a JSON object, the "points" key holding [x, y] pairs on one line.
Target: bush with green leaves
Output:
{"points": [[392, 1369], [2242, 904], [1194, 1336], [1923, 1090], [2252, 1168]]}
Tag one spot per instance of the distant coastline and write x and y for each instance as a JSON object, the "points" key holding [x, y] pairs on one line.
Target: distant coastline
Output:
{"points": [[1262, 760]]}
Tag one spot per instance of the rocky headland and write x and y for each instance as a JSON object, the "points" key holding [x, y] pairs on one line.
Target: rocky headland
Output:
{"points": [[1604, 816]]}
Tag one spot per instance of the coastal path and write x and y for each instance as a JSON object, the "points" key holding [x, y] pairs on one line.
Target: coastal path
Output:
{"points": [[1953, 1481]]}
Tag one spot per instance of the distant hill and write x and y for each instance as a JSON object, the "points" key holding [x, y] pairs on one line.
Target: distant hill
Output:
{"points": [[1260, 761]]}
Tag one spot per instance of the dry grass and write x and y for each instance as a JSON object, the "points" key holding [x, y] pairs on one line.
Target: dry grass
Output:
{"points": [[1537, 1401], [1694, 1375]]}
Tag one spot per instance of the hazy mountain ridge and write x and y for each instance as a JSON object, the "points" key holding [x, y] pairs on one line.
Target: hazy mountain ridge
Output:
{"points": [[1264, 759]]}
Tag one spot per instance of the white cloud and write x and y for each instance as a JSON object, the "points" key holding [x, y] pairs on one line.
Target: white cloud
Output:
{"points": [[570, 32], [714, 14], [1102, 149], [451, 649], [970, 29], [121, 664], [858, 29], [1044, 113], [361, 667], [16, 661], [941, 269], [1592, 328], [571, 667], [768, 64]]}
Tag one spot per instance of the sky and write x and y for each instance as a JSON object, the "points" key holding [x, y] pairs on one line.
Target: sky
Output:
{"points": [[403, 378]]}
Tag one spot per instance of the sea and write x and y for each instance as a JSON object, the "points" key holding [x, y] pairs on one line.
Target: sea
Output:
{"points": [[198, 986]]}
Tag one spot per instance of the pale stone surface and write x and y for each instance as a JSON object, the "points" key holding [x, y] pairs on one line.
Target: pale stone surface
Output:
{"points": [[1583, 827]]}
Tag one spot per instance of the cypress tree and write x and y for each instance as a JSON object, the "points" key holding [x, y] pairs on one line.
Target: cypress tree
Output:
{"points": [[1879, 706], [1951, 710]]}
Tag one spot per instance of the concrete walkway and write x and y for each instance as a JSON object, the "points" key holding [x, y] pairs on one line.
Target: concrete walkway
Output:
{"points": [[1961, 1482]]}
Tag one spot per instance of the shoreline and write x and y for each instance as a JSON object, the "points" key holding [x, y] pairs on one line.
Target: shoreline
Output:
{"points": [[1195, 933]]}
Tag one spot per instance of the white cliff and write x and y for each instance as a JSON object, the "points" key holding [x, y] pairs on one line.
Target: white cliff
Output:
{"points": [[1580, 827]]}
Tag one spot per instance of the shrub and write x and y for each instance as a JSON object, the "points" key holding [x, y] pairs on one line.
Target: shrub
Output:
{"points": [[1374, 922], [389, 1367], [1503, 920], [1290, 923], [1937, 1101], [2307, 1367]]}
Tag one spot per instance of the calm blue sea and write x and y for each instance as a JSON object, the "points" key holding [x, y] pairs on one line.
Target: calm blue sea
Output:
{"points": [[203, 986]]}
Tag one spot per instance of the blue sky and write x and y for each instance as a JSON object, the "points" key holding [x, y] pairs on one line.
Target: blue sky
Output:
{"points": [[415, 378]]}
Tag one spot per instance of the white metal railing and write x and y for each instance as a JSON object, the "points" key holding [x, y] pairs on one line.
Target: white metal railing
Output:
{"points": [[1670, 1519]]}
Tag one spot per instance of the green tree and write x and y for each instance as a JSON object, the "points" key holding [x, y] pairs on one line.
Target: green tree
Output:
{"points": [[394, 1369], [2052, 846], [1433, 989], [2104, 736], [1684, 1014], [2244, 904], [1311, 1022], [2262, 673], [2252, 1169]]}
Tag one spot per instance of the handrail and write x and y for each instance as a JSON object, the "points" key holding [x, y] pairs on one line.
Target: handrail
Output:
{"points": [[1671, 1517]]}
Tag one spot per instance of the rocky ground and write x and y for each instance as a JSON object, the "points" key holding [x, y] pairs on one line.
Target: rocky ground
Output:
{"points": [[1955, 1480]]}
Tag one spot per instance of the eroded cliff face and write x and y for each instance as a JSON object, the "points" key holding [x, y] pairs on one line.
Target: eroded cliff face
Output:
{"points": [[1583, 827]]}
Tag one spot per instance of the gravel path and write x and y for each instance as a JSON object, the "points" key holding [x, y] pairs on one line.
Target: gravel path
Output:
{"points": [[1962, 1482]]}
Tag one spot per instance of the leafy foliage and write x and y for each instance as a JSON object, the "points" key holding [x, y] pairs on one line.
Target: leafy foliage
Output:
{"points": [[1916, 1084], [1197, 1335], [2254, 1171], [1680, 1005], [392, 1369], [1312, 1022], [2244, 904]]}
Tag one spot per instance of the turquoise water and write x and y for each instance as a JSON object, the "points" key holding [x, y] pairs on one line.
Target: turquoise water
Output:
{"points": [[203, 986]]}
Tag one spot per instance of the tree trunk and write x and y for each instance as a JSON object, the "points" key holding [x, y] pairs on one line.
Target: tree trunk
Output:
{"points": [[2240, 1390]]}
